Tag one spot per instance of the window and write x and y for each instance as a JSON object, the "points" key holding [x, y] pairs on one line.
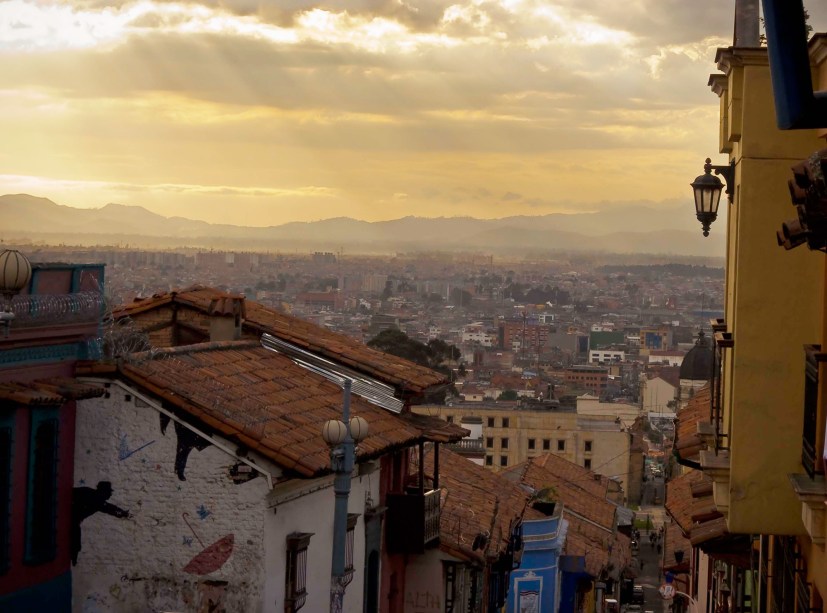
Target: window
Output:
{"points": [[531, 443], [503, 460], [587, 446], [489, 460], [561, 445], [546, 444], [6, 455], [587, 463], [490, 422], [489, 441], [504, 442], [449, 419], [295, 592], [41, 512], [505, 422]]}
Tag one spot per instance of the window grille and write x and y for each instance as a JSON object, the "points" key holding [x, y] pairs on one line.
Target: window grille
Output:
{"points": [[351, 534], [295, 593]]}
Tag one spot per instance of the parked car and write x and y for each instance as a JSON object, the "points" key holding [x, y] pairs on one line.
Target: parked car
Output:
{"points": [[637, 595]]}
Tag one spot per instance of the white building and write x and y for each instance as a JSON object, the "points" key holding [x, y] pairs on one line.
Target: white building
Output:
{"points": [[606, 356]]}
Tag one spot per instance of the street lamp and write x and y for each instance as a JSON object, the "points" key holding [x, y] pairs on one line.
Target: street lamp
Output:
{"points": [[707, 190], [341, 436], [15, 272]]}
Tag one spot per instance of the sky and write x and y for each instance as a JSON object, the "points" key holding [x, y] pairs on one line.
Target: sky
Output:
{"points": [[260, 113]]}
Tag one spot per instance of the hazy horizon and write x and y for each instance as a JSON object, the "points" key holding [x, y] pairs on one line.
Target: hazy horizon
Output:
{"points": [[261, 113]]}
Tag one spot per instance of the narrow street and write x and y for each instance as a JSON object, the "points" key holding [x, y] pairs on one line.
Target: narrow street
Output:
{"points": [[648, 558]]}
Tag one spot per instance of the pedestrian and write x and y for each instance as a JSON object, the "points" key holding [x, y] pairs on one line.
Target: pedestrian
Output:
{"points": [[659, 548], [641, 564]]}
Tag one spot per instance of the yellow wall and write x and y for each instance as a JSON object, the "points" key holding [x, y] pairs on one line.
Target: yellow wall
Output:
{"points": [[773, 305], [610, 445]]}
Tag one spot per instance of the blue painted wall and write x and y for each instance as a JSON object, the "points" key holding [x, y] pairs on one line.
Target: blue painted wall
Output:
{"points": [[534, 586]]}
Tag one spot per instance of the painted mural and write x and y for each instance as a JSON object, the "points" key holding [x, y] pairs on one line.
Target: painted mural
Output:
{"points": [[160, 531], [87, 501]]}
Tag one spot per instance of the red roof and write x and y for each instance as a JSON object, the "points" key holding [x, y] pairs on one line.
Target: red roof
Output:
{"points": [[476, 501], [406, 376], [266, 402]]}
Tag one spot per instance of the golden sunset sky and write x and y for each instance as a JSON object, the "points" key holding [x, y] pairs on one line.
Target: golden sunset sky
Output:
{"points": [[263, 112]]}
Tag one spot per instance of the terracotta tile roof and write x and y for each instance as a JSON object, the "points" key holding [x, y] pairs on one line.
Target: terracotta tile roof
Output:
{"points": [[265, 401], [48, 392], [674, 540], [679, 500], [602, 551], [592, 518], [581, 491], [406, 376], [687, 442], [476, 501]]}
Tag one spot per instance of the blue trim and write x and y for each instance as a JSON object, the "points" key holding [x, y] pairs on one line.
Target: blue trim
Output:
{"points": [[41, 507], [49, 353], [54, 596], [7, 423], [797, 106]]}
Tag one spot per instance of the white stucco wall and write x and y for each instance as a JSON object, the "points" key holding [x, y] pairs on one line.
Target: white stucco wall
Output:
{"points": [[150, 561], [313, 512]]}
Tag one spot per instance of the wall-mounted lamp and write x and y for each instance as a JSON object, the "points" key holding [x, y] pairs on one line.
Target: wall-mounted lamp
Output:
{"points": [[707, 189], [15, 272]]}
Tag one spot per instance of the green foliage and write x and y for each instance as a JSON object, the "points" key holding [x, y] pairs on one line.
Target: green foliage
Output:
{"points": [[508, 395], [434, 355]]}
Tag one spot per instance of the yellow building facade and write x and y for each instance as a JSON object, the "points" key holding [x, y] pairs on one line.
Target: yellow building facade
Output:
{"points": [[510, 436], [775, 306]]}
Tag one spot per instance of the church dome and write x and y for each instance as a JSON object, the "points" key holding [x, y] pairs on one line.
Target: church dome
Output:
{"points": [[697, 363]]}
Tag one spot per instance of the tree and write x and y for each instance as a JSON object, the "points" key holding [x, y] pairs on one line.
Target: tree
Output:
{"points": [[508, 395]]}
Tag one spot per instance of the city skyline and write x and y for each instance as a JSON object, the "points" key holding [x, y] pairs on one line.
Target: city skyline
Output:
{"points": [[232, 112]]}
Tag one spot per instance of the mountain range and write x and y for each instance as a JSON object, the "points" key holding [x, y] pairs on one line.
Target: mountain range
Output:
{"points": [[627, 229]]}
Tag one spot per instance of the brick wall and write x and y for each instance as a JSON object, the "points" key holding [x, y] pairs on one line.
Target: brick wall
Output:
{"points": [[188, 544]]}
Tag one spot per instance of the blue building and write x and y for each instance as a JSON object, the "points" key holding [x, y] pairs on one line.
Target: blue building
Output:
{"points": [[535, 585]]}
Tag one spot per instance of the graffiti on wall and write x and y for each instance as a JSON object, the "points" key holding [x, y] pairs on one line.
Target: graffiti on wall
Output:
{"points": [[87, 501], [211, 557], [187, 441]]}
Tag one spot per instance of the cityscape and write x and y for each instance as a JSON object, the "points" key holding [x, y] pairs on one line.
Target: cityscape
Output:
{"points": [[452, 398]]}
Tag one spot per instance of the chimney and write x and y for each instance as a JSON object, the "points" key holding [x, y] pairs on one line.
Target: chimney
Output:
{"points": [[746, 24], [226, 316]]}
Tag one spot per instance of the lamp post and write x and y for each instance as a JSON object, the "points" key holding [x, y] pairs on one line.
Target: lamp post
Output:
{"points": [[15, 272], [341, 436], [707, 190]]}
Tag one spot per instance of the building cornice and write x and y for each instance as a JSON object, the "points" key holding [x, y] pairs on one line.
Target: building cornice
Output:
{"points": [[728, 58]]}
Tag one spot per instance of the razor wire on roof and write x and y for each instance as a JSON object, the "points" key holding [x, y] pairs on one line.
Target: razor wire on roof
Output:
{"points": [[43, 309], [123, 340]]}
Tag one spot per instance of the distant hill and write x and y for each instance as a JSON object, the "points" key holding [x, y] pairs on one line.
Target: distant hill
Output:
{"points": [[631, 229]]}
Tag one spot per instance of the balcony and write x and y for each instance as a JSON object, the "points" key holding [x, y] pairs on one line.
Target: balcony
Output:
{"points": [[812, 492], [467, 447], [412, 521], [716, 465]]}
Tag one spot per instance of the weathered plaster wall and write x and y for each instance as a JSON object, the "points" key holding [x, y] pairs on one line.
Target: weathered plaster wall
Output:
{"points": [[424, 584], [193, 537]]}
